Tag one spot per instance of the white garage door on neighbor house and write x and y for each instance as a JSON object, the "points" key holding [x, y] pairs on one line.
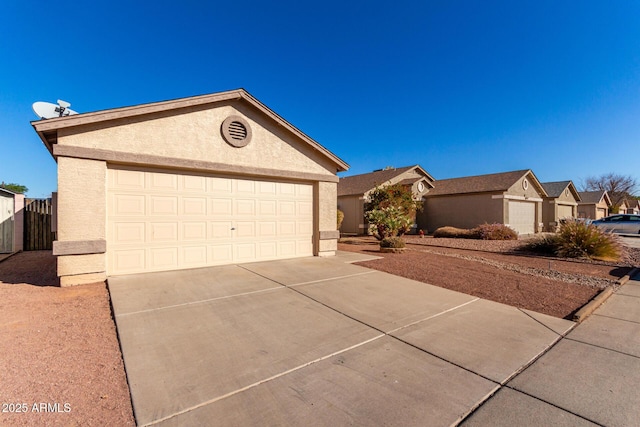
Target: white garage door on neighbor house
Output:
{"points": [[522, 217], [166, 220]]}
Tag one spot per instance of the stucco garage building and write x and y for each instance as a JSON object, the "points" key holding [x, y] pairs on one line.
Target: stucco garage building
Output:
{"points": [[561, 203], [354, 190], [11, 221], [193, 182], [511, 198], [593, 204]]}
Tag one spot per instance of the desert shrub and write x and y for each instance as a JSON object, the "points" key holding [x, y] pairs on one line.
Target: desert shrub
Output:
{"points": [[390, 211], [579, 240], [340, 217], [544, 245], [456, 233], [495, 232], [392, 242]]}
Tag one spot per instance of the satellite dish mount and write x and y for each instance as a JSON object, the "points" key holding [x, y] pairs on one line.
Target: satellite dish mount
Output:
{"points": [[47, 110]]}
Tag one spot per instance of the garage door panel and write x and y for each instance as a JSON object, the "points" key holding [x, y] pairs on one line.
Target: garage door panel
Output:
{"points": [[193, 256], [161, 205], [127, 179], [221, 229], [163, 181], [220, 254], [126, 204], [127, 261], [220, 185], [245, 252], [221, 207], [162, 221], [193, 206], [565, 211], [128, 232], [194, 231], [163, 258], [163, 232], [191, 183]]}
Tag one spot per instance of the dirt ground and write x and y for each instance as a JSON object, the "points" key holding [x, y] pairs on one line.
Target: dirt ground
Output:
{"points": [[60, 361]]}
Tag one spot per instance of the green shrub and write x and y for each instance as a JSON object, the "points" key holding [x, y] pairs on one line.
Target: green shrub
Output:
{"points": [[495, 232], [390, 210], [456, 233], [577, 239], [392, 242], [340, 218]]}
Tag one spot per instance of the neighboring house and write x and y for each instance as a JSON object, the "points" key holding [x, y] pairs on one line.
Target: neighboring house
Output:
{"points": [[511, 198], [633, 207], [353, 191], [561, 203], [622, 208], [193, 182], [593, 204], [11, 221]]}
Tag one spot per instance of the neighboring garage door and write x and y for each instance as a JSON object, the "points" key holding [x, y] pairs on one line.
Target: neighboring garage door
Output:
{"points": [[522, 217], [159, 220], [565, 211], [601, 213]]}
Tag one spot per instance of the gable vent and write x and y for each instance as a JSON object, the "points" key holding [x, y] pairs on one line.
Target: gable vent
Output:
{"points": [[236, 131]]}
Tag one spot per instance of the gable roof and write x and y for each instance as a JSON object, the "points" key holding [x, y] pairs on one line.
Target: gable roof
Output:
{"points": [[48, 129], [555, 189], [633, 203], [590, 197], [481, 183], [360, 184]]}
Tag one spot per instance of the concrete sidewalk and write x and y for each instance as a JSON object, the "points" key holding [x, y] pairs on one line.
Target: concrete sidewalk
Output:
{"points": [[591, 377], [316, 341]]}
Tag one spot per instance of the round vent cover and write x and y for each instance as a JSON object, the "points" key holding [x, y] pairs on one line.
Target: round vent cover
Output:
{"points": [[236, 131]]}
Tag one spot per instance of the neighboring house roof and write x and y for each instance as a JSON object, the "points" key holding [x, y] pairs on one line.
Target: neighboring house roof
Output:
{"points": [[4, 190], [633, 204], [555, 189], [594, 197], [494, 182], [360, 184], [48, 129]]}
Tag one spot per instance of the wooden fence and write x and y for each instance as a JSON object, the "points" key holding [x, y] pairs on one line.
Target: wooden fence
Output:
{"points": [[37, 225]]}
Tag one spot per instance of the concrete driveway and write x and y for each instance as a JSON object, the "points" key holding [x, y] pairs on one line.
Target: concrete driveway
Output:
{"points": [[315, 341]]}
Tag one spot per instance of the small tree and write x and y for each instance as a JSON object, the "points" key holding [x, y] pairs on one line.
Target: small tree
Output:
{"points": [[391, 211], [14, 188], [619, 187]]}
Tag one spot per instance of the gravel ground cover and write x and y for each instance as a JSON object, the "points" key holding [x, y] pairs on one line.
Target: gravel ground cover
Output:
{"points": [[60, 362], [498, 271]]}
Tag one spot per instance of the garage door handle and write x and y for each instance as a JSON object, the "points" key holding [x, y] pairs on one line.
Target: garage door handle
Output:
{"points": [[233, 228]]}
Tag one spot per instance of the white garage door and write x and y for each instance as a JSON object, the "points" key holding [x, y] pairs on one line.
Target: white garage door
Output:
{"points": [[522, 217], [166, 220], [565, 211]]}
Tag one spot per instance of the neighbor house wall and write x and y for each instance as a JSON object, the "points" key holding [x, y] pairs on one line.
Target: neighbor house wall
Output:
{"points": [[551, 209], [462, 211], [328, 235], [18, 225]]}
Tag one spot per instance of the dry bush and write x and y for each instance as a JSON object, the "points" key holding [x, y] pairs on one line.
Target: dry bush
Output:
{"points": [[495, 232], [453, 232]]}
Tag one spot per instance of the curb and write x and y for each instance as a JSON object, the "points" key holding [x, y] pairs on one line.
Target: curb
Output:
{"points": [[596, 302]]}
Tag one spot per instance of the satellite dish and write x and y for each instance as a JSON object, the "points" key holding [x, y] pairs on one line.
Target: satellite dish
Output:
{"points": [[47, 110]]}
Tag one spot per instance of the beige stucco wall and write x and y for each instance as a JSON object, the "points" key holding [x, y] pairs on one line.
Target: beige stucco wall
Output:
{"points": [[327, 216], [81, 212], [462, 211], [193, 134]]}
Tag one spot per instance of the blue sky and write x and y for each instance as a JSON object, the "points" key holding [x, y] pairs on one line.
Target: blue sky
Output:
{"points": [[459, 87]]}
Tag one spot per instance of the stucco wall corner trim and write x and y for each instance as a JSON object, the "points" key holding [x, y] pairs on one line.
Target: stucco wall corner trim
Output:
{"points": [[329, 234], [80, 247]]}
